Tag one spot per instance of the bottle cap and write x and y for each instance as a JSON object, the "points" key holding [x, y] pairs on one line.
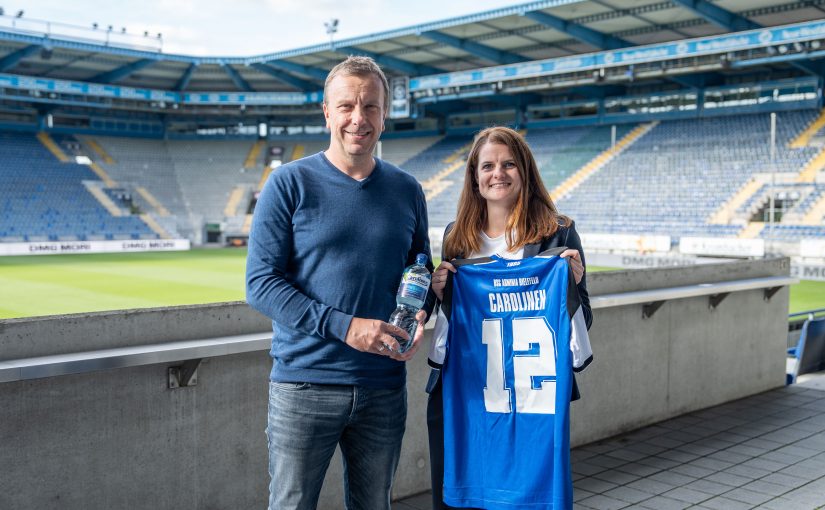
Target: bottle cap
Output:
{"points": [[421, 258]]}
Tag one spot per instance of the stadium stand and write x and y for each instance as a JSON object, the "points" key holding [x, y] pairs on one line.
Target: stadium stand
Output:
{"points": [[561, 152], [46, 200], [673, 179]]}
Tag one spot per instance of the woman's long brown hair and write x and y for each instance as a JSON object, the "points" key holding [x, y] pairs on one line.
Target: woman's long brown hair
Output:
{"points": [[533, 217]]}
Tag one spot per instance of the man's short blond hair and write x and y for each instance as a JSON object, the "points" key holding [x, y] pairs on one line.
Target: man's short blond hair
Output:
{"points": [[361, 67]]}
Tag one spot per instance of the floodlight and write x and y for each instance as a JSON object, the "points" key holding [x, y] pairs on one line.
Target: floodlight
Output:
{"points": [[19, 13]]}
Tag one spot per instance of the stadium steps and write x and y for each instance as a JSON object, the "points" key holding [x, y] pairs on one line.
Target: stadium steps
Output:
{"points": [[725, 213], [99, 150], [155, 226], [52, 147], [247, 224], [436, 184], [101, 196], [100, 172], [808, 173], [254, 153], [264, 177], [752, 231], [297, 152], [159, 209], [815, 213], [600, 161], [805, 136], [235, 198]]}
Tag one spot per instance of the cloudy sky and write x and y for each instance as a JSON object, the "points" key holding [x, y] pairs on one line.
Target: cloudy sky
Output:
{"points": [[234, 27]]}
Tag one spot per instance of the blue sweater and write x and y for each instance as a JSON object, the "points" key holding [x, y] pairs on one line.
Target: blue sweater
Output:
{"points": [[325, 248]]}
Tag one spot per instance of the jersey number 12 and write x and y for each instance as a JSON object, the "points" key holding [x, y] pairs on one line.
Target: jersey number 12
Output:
{"points": [[534, 366]]}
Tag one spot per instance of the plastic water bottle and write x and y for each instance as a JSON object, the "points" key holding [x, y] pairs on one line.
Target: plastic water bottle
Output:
{"points": [[412, 291]]}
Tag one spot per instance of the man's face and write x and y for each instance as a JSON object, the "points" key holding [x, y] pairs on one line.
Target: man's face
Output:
{"points": [[354, 109]]}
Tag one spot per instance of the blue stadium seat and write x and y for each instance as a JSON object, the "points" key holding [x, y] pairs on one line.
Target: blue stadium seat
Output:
{"points": [[809, 351]]}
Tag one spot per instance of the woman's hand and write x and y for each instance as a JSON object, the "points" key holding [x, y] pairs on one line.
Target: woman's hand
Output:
{"points": [[440, 278], [575, 263]]}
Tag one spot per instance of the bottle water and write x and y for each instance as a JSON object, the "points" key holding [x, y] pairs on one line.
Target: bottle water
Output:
{"points": [[410, 298]]}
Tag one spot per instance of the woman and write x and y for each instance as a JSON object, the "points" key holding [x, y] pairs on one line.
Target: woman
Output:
{"points": [[504, 209]]}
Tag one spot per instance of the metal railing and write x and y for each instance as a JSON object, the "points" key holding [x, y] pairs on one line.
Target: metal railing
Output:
{"points": [[189, 353]]}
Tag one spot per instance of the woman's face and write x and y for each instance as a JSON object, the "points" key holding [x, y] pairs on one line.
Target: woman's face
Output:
{"points": [[499, 179]]}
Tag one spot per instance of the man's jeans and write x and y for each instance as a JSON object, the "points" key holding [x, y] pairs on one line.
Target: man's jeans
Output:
{"points": [[307, 421]]}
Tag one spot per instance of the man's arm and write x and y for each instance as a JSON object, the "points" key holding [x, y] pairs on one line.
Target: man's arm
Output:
{"points": [[267, 289]]}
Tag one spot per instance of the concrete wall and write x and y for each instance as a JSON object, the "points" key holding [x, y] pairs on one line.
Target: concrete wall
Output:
{"points": [[121, 439]]}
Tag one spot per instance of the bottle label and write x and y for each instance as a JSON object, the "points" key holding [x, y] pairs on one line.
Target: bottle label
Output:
{"points": [[413, 290]]}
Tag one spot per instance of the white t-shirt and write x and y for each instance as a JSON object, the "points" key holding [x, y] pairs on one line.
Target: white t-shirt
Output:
{"points": [[497, 246]]}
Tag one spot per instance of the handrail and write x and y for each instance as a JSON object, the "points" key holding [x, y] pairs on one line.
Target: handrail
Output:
{"points": [[688, 291], [174, 352], [121, 357], [808, 314]]}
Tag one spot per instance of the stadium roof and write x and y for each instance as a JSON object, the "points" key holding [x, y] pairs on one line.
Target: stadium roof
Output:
{"points": [[525, 32], [535, 61]]}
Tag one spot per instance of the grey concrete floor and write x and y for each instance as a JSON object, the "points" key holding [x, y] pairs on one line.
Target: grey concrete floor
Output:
{"points": [[766, 451]]}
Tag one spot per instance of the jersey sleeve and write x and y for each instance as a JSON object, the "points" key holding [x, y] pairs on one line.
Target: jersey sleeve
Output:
{"points": [[579, 338]]}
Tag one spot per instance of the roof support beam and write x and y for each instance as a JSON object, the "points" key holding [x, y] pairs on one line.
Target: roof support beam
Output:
{"points": [[13, 58], [312, 72], [580, 32], [123, 71], [392, 62], [237, 79], [733, 22], [477, 49], [302, 85], [718, 16], [187, 75]]}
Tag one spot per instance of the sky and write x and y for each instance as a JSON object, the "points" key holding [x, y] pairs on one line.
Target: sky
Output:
{"points": [[234, 27]]}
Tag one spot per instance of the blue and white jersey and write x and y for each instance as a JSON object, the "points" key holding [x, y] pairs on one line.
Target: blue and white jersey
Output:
{"points": [[516, 334]]}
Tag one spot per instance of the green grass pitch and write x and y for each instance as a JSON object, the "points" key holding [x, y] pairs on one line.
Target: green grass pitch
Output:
{"points": [[60, 284]]}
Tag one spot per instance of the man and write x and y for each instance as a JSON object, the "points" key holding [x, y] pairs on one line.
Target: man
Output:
{"points": [[330, 238]]}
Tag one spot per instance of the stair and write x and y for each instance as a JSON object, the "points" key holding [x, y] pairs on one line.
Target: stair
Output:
{"points": [[92, 144], [725, 212], [247, 224], [805, 137], [159, 209], [298, 152], [808, 173], [436, 184], [235, 198], [155, 226], [752, 231], [815, 213], [264, 177], [100, 172], [52, 147], [600, 161], [254, 152], [104, 199]]}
